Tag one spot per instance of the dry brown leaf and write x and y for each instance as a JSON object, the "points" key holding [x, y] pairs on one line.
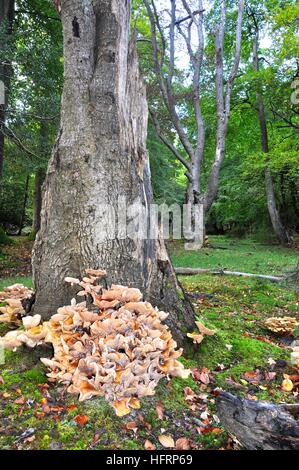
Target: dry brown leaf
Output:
{"points": [[148, 445], [166, 441], [81, 420], [160, 410], [182, 444], [132, 426]]}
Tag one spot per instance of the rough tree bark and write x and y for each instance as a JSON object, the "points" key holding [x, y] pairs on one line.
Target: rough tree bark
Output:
{"points": [[7, 13], [100, 154], [280, 231], [192, 155]]}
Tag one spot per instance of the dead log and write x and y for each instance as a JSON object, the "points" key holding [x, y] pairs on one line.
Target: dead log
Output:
{"points": [[259, 425], [194, 271]]}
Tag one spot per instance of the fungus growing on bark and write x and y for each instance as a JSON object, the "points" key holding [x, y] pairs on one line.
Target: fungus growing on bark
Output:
{"points": [[12, 297], [117, 348]]}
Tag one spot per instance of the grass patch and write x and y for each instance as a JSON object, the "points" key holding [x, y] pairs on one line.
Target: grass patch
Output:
{"points": [[236, 255], [234, 307]]}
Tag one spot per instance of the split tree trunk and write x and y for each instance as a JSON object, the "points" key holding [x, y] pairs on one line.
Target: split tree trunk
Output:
{"points": [[100, 154]]}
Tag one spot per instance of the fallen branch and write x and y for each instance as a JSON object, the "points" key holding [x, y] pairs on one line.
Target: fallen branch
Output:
{"points": [[194, 271], [259, 425]]}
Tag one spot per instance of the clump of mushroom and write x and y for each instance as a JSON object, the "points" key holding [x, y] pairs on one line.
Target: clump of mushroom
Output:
{"points": [[13, 298], [117, 348], [281, 325]]}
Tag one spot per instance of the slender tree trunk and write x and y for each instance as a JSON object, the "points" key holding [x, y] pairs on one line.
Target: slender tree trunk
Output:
{"points": [[279, 230], [39, 179], [23, 215], [99, 155], [7, 13]]}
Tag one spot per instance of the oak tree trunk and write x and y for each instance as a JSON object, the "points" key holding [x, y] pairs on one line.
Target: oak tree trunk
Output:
{"points": [[100, 154]]}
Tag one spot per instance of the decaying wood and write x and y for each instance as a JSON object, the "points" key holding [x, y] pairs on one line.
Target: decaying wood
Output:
{"points": [[194, 271], [259, 425]]}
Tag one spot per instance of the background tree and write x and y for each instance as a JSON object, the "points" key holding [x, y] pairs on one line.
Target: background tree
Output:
{"points": [[7, 15], [189, 23]]}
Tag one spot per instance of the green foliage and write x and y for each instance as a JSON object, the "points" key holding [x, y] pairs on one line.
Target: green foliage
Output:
{"points": [[4, 239]]}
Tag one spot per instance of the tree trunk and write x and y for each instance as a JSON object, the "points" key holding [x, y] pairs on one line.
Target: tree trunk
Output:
{"points": [[7, 13], [279, 230], [194, 227], [39, 179], [100, 155], [23, 215]]}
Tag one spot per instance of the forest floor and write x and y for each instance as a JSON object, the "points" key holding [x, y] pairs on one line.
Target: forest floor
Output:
{"points": [[242, 357]]}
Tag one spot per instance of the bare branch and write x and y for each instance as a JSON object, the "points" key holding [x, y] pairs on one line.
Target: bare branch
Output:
{"points": [[165, 86]]}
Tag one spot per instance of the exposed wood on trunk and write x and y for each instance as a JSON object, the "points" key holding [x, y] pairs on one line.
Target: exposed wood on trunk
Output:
{"points": [[258, 425], [194, 271], [100, 155]]}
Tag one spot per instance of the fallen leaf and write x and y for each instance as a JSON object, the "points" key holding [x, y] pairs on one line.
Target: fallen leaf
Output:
{"points": [[190, 396], [217, 431], [1, 380], [71, 408], [204, 376], [253, 376], [132, 426], [148, 445], [182, 444], [6, 395], [81, 419], [160, 410], [166, 441], [270, 376], [20, 401]]}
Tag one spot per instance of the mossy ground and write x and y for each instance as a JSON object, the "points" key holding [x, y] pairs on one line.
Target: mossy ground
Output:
{"points": [[234, 307]]}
